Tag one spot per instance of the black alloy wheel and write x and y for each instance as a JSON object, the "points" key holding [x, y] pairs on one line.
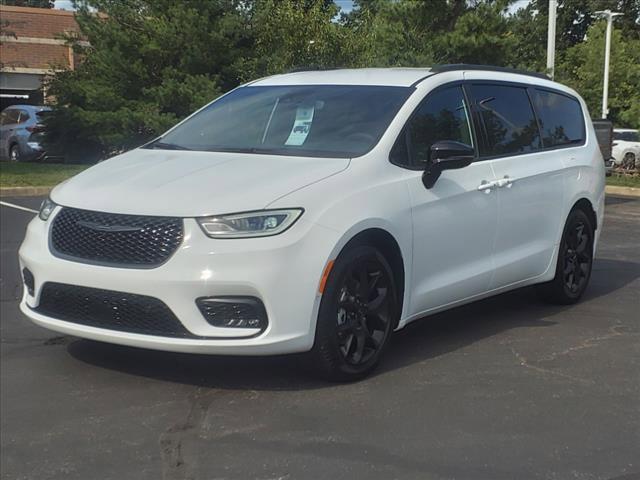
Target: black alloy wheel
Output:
{"points": [[577, 257], [575, 261], [363, 315], [357, 314]]}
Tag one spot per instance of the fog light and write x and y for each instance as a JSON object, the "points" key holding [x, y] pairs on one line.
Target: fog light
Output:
{"points": [[29, 281], [233, 312]]}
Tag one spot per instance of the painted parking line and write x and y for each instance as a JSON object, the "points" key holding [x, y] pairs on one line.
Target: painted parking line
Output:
{"points": [[18, 207]]}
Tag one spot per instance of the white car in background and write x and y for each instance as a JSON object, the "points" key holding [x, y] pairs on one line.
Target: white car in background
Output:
{"points": [[626, 147]]}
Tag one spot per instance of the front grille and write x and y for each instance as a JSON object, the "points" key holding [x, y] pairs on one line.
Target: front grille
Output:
{"points": [[115, 239], [124, 312]]}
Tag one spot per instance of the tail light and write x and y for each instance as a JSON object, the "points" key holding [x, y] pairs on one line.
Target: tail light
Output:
{"points": [[36, 129]]}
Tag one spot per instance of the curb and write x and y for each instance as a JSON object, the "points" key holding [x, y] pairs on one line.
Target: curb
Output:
{"points": [[622, 191], [24, 191]]}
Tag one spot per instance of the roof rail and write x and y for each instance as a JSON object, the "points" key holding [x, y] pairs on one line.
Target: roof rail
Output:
{"points": [[310, 68], [490, 68]]}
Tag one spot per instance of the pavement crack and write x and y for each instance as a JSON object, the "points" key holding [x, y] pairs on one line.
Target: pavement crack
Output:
{"points": [[545, 371], [172, 440], [613, 332]]}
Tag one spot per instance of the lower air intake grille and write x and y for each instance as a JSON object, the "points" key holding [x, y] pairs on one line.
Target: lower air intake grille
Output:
{"points": [[124, 312]]}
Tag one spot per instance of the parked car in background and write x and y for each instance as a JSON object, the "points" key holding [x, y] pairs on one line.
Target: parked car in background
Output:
{"points": [[21, 133], [410, 192], [626, 147]]}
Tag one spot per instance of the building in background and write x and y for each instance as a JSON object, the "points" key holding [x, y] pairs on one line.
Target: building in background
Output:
{"points": [[31, 46]]}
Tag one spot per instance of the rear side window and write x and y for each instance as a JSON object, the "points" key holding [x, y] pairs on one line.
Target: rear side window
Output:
{"points": [[443, 115], [560, 117], [24, 116], [508, 119], [10, 117]]}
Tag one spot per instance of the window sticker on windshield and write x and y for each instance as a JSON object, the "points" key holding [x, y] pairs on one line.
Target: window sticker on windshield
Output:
{"points": [[301, 126]]}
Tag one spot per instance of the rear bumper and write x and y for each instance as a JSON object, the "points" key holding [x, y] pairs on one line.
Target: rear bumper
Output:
{"points": [[31, 151], [282, 271]]}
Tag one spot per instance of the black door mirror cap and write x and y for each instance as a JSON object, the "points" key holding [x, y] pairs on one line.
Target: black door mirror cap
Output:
{"points": [[446, 155], [451, 152]]}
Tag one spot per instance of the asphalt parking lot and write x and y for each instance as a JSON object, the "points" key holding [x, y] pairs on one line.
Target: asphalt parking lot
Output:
{"points": [[505, 388]]}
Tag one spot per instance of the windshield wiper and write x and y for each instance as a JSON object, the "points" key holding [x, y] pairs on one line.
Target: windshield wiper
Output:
{"points": [[166, 146]]}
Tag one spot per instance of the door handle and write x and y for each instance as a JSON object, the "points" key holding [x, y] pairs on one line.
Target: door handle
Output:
{"points": [[486, 187], [507, 181]]}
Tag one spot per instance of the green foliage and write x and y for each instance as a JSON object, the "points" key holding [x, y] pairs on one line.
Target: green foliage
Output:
{"points": [[479, 35], [583, 66], [149, 64], [289, 34], [410, 33], [152, 62]]}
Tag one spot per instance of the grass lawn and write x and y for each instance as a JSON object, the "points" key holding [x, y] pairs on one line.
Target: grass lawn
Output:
{"points": [[36, 174], [624, 180]]}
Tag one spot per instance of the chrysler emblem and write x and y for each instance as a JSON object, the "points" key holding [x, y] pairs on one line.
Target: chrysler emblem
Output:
{"points": [[107, 228]]}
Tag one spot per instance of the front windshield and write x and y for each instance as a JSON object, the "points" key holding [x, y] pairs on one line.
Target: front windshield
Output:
{"points": [[632, 136], [306, 120]]}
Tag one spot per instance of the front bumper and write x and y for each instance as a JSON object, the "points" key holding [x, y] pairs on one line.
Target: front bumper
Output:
{"points": [[283, 271]]}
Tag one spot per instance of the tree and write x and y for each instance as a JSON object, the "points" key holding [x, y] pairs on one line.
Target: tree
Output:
{"points": [[152, 62], [574, 18], [149, 64], [478, 35], [409, 33], [290, 34], [582, 70]]}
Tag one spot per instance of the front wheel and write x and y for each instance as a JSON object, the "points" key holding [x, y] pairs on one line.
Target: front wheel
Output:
{"points": [[357, 314], [575, 260], [14, 154]]}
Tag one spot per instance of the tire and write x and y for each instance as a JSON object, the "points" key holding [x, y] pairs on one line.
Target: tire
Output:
{"points": [[358, 311], [629, 161], [575, 261], [14, 153]]}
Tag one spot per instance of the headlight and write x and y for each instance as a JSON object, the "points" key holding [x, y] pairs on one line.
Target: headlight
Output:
{"points": [[250, 224], [46, 208]]}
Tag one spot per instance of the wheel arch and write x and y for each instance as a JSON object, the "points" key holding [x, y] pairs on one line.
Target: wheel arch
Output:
{"points": [[389, 247], [586, 206]]}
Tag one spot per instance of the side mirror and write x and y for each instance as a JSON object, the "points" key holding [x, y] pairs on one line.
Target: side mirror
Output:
{"points": [[446, 155]]}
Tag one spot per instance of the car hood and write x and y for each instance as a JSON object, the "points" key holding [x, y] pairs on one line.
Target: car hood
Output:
{"points": [[190, 184]]}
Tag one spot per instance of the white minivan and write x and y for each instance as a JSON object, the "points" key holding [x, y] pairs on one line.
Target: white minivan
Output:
{"points": [[320, 211]]}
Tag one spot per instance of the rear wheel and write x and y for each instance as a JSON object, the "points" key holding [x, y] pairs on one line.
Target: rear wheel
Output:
{"points": [[629, 161], [575, 260], [357, 314]]}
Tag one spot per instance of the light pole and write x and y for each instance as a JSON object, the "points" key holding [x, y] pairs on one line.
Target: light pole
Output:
{"points": [[607, 54], [551, 38]]}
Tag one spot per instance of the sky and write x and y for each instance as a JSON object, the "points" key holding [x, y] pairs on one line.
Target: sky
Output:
{"points": [[64, 4], [345, 5]]}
